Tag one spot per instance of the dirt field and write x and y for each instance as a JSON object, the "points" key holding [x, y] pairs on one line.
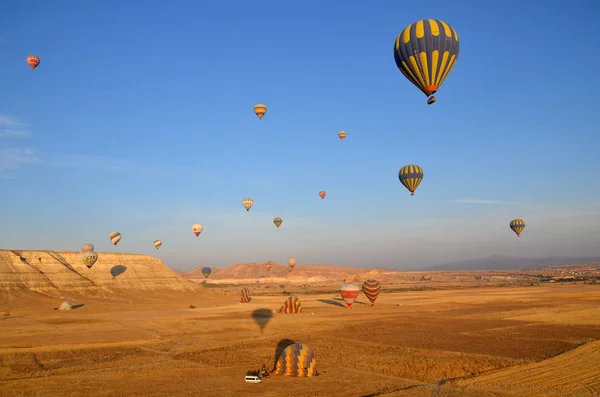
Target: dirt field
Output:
{"points": [[496, 341]]}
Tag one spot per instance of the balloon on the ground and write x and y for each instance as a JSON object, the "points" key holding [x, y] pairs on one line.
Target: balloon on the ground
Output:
{"points": [[425, 52], [89, 258], [115, 237], [517, 226], [411, 176], [244, 295], [260, 110], [349, 292], [277, 221], [296, 360], [247, 203], [371, 289], [157, 243], [291, 305], [33, 61], [197, 229]]}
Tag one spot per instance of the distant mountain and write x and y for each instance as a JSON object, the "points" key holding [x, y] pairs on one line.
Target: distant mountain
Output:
{"points": [[503, 262]]}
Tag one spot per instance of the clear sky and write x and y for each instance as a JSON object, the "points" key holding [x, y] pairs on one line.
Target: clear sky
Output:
{"points": [[140, 120]]}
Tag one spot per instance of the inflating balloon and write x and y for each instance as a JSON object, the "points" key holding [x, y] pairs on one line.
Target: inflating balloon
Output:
{"points": [[411, 176], [296, 360], [244, 295], [291, 305], [425, 52], [517, 226]]}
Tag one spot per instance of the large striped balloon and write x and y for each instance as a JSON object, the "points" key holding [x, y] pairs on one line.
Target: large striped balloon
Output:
{"points": [[291, 305], [411, 176], [425, 52], [245, 296], [371, 289], [296, 360], [349, 292]]}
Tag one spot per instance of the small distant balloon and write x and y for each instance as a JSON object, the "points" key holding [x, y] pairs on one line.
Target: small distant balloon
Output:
{"points": [[277, 221], [33, 61], [322, 194], [247, 203], [87, 247], [291, 262], [197, 229], [89, 258], [517, 226], [157, 243], [342, 135], [260, 110], [269, 267], [206, 271], [411, 176], [115, 237]]}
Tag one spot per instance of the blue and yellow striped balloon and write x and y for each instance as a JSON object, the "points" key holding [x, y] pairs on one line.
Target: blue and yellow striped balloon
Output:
{"points": [[425, 52], [411, 176], [517, 226]]}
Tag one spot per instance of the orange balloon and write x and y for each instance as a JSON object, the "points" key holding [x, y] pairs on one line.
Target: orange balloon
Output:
{"points": [[322, 194], [33, 61]]}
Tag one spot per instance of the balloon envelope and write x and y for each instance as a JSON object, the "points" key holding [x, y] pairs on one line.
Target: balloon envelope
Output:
{"points": [[260, 110], [292, 262], [411, 176], [342, 135], [371, 289], [247, 203], [296, 360], [349, 292], [87, 247], [322, 194], [115, 237], [517, 226], [245, 295], [33, 61], [206, 271], [278, 221], [197, 229], [89, 258], [269, 267], [157, 243]]}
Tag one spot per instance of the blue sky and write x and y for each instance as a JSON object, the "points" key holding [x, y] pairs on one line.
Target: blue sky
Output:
{"points": [[140, 120]]}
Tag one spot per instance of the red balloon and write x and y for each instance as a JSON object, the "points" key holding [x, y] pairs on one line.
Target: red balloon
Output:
{"points": [[349, 292], [33, 61], [322, 194]]}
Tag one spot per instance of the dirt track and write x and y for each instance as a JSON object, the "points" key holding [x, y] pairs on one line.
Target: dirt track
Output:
{"points": [[521, 341]]}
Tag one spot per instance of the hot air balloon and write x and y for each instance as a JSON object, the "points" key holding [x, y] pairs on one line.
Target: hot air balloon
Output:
{"points": [[33, 61], [89, 258], [115, 237], [296, 360], [157, 243], [292, 262], [87, 247], [244, 295], [269, 267], [517, 226], [206, 271], [247, 203], [349, 292], [322, 194], [277, 221], [197, 229], [291, 305], [425, 52], [411, 176], [371, 289], [342, 135], [260, 110]]}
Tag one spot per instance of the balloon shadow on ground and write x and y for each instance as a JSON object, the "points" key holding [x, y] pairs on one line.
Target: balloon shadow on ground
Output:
{"points": [[355, 301], [279, 349], [262, 317], [117, 270], [331, 302]]}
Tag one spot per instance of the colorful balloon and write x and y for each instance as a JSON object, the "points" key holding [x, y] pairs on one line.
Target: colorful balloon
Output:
{"points": [[197, 229], [87, 247], [157, 243], [292, 262], [33, 61], [411, 176], [517, 226], [342, 135], [206, 271], [269, 267], [349, 292], [296, 360], [89, 258], [277, 221], [371, 289], [245, 296], [425, 52], [247, 203], [322, 194], [115, 237], [260, 110], [291, 305]]}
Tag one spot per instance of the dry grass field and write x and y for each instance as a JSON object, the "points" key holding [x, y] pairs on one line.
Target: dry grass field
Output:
{"points": [[487, 341]]}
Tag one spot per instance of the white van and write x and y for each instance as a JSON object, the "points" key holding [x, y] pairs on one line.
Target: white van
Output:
{"points": [[253, 379]]}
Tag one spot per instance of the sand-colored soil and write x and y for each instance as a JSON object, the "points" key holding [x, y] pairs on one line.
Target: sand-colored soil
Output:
{"points": [[489, 341]]}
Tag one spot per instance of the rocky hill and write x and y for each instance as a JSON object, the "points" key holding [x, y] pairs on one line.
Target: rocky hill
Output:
{"points": [[50, 273]]}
